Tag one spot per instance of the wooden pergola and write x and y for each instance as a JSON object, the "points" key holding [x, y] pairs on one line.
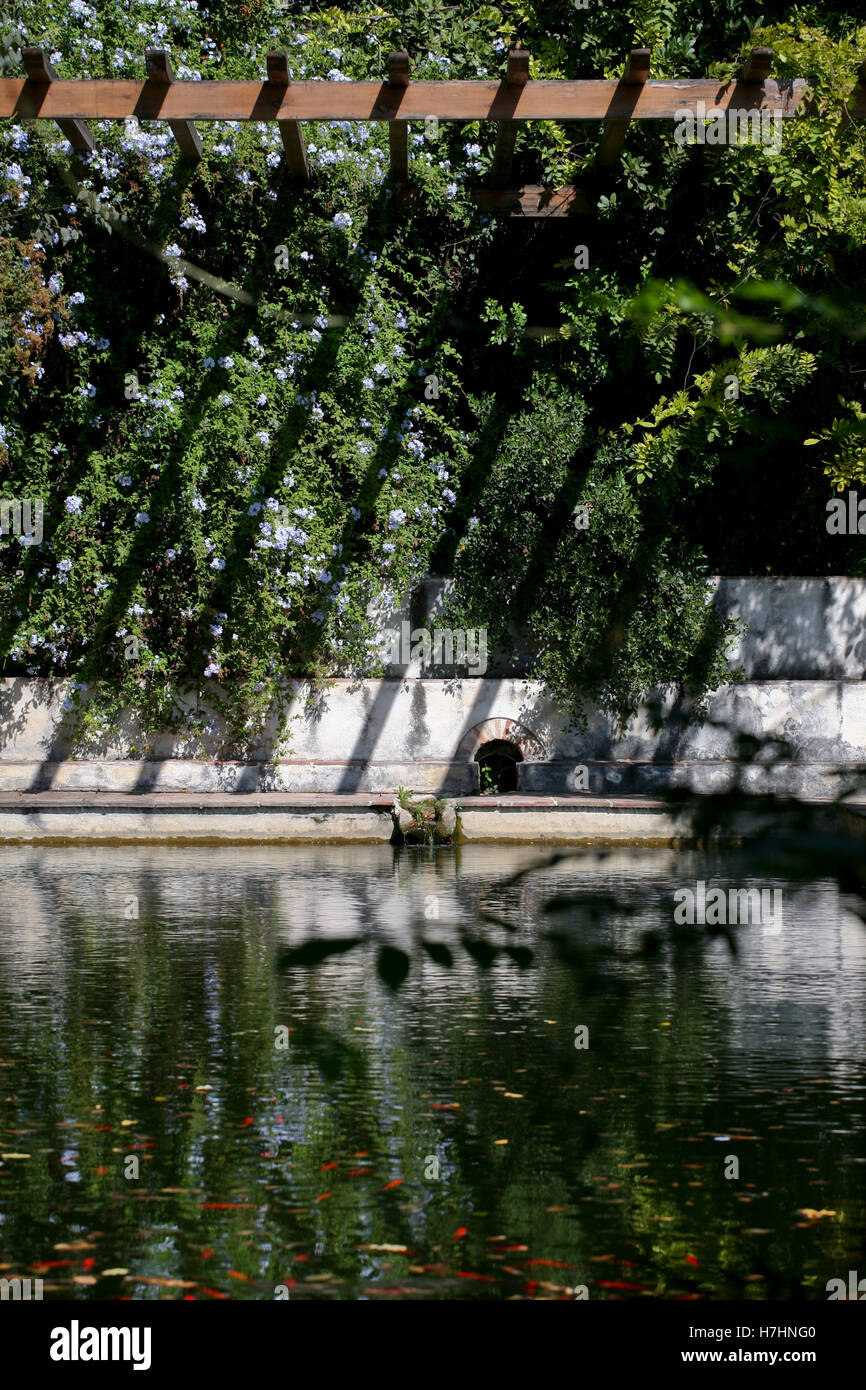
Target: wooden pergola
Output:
{"points": [[41, 95]]}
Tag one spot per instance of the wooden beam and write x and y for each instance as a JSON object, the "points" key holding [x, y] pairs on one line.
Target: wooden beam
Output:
{"points": [[757, 66], [398, 131], [160, 75], [290, 131], [532, 200], [398, 69], [517, 76], [634, 79], [41, 74], [117, 99]]}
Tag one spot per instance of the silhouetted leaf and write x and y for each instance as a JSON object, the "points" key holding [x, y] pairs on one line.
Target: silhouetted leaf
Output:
{"points": [[521, 955], [481, 951], [393, 966], [314, 951], [439, 953]]}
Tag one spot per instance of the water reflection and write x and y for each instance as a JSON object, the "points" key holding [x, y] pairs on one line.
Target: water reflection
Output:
{"points": [[447, 1140]]}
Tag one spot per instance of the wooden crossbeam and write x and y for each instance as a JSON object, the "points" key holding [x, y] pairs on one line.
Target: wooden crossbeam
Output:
{"points": [[398, 131], [535, 201], [41, 74], [517, 76], [757, 66], [532, 200], [290, 131], [634, 78], [160, 75], [118, 99]]}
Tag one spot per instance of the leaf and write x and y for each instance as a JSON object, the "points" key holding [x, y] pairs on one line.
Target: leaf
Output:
{"points": [[438, 953], [227, 1206], [159, 1282], [389, 1250], [521, 955], [393, 966], [314, 951], [481, 951]]}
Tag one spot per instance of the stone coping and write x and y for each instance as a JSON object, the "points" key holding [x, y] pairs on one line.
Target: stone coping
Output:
{"points": [[300, 801]]}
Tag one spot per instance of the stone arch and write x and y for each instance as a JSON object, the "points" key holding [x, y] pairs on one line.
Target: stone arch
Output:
{"points": [[505, 730]]}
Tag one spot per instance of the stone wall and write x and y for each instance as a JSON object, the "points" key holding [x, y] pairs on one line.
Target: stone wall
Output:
{"points": [[804, 654]]}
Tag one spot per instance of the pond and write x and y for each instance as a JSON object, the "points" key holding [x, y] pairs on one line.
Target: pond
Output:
{"points": [[613, 1112]]}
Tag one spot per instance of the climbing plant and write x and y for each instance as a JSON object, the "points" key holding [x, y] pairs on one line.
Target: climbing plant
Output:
{"points": [[256, 416]]}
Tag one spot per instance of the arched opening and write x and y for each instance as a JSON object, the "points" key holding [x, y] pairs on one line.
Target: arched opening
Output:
{"points": [[497, 762]]}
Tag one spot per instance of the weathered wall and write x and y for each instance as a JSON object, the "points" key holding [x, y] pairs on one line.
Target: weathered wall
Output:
{"points": [[804, 654], [797, 628]]}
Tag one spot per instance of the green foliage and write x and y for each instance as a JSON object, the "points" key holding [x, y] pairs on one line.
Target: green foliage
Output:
{"points": [[221, 386], [847, 463]]}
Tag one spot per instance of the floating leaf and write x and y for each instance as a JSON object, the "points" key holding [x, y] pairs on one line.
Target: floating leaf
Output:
{"points": [[389, 1250], [159, 1282], [227, 1206]]}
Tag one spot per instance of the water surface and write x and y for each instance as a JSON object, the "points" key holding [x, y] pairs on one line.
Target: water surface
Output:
{"points": [[444, 1140]]}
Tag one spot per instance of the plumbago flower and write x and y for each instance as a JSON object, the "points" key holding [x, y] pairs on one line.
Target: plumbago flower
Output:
{"points": [[200, 397]]}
